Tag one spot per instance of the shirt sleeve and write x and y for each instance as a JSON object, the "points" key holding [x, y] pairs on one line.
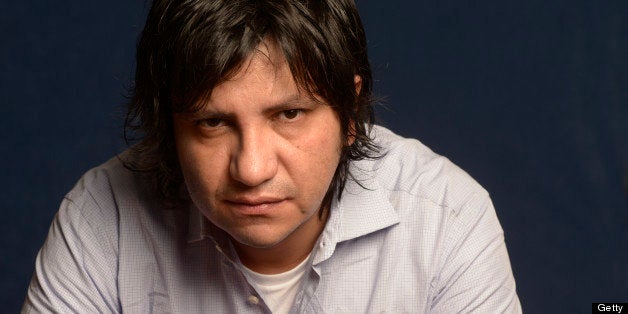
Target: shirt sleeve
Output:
{"points": [[476, 275], [75, 269]]}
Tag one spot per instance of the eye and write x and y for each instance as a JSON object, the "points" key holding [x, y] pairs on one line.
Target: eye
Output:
{"points": [[290, 114], [210, 122]]}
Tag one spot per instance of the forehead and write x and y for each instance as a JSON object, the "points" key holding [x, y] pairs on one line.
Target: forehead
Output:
{"points": [[264, 63], [264, 77], [265, 60], [263, 80]]}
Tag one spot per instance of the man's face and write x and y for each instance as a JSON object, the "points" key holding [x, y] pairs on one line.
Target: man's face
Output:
{"points": [[259, 157]]}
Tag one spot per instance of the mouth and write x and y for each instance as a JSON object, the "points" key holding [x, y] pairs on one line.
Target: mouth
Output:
{"points": [[254, 205]]}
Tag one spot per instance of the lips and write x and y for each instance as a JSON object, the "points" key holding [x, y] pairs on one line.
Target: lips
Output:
{"points": [[258, 205]]}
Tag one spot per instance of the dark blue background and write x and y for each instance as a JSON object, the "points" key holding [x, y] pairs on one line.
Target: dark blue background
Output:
{"points": [[530, 98]]}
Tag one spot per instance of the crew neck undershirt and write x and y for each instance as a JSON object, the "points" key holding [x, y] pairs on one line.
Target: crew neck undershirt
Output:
{"points": [[279, 290]]}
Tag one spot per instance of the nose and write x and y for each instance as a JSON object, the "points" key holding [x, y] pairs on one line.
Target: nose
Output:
{"points": [[255, 160]]}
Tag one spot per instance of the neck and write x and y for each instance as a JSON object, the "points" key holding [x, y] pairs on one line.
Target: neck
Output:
{"points": [[285, 255]]}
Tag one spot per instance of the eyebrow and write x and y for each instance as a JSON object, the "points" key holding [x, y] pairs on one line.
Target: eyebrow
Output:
{"points": [[289, 102]]}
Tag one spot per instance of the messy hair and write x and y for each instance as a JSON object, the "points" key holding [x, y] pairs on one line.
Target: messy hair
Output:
{"points": [[188, 47]]}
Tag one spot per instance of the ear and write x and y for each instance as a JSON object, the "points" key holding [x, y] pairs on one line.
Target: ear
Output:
{"points": [[357, 81], [351, 135]]}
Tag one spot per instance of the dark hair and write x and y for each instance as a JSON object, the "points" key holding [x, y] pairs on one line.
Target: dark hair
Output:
{"points": [[187, 47]]}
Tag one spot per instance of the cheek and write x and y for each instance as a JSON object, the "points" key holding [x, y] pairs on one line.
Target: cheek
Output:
{"points": [[203, 165], [202, 180], [199, 164], [319, 155]]}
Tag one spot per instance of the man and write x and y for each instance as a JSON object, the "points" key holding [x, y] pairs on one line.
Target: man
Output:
{"points": [[260, 184]]}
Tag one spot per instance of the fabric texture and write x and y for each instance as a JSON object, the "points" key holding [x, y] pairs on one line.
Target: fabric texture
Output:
{"points": [[417, 235]]}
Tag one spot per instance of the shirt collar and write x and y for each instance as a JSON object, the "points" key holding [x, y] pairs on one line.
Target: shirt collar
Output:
{"points": [[198, 226], [363, 209], [200, 229]]}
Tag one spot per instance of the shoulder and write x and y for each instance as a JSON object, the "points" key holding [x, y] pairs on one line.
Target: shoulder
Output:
{"points": [[445, 229], [408, 166], [103, 184], [116, 201], [92, 200], [82, 248], [105, 225], [102, 190]]}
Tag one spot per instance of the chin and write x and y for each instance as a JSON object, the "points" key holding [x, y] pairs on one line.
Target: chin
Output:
{"points": [[260, 237], [257, 242]]}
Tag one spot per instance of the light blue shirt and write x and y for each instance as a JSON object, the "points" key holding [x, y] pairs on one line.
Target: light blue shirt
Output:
{"points": [[421, 237]]}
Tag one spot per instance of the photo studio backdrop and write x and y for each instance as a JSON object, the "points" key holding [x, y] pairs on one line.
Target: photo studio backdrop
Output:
{"points": [[530, 98]]}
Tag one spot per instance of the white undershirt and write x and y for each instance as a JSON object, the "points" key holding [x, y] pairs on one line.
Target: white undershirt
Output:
{"points": [[279, 290]]}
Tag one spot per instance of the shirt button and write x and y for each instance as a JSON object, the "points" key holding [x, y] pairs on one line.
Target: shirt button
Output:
{"points": [[253, 300]]}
